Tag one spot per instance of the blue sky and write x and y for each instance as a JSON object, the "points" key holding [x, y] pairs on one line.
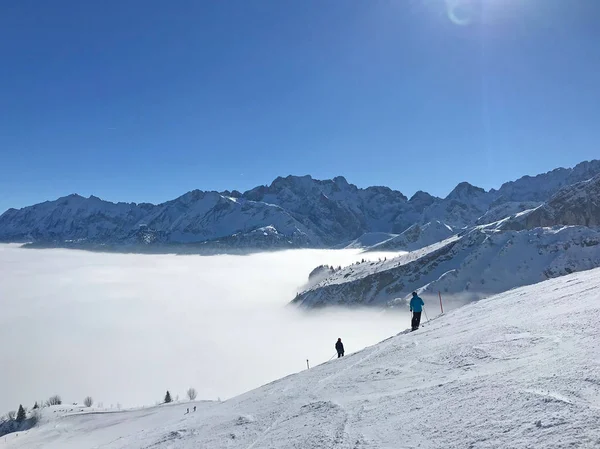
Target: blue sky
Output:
{"points": [[145, 100]]}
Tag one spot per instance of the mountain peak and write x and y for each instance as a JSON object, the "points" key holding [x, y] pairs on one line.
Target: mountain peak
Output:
{"points": [[465, 190], [74, 196], [291, 180], [68, 199], [341, 181], [420, 200], [194, 195], [420, 196], [231, 193]]}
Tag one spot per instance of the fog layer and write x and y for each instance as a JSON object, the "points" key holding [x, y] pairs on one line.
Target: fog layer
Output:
{"points": [[125, 328]]}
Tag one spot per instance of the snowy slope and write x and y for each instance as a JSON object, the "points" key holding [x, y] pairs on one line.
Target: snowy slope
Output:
{"points": [[479, 263], [518, 370], [209, 216], [369, 239], [497, 213], [416, 237]]}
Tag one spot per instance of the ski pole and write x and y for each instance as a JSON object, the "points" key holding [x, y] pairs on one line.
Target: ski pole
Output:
{"points": [[425, 314], [332, 357]]}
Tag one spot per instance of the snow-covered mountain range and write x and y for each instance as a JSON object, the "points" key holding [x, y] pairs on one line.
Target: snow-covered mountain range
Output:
{"points": [[555, 238], [292, 212]]}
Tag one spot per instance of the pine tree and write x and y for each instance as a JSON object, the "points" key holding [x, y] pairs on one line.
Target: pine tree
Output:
{"points": [[168, 397], [36, 406], [21, 416]]}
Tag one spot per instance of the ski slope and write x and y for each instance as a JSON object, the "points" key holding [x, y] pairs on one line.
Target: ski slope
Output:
{"points": [[517, 370]]}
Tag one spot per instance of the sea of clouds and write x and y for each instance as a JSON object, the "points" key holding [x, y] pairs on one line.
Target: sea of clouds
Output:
{"points": [[124, 328]]}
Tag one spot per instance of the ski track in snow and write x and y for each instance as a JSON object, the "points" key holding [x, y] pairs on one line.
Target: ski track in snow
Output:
{"points": [[517, 370]]}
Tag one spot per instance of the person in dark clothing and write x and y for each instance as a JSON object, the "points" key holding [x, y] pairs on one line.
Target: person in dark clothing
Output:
{"points": [[339, 347], [416, 307]]}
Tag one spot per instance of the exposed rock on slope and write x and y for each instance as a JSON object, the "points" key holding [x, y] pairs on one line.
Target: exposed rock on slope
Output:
{"points": [[578, 204]]}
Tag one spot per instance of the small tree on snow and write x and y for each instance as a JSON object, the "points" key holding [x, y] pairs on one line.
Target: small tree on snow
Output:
{"points": [[192, 393], [21, 415], [54, 400], [168, 397], [88, 401], [11, 415], [35, 406]]}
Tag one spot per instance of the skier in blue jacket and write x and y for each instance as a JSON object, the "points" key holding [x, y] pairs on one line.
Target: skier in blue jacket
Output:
{"points": [[416, 307]]}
